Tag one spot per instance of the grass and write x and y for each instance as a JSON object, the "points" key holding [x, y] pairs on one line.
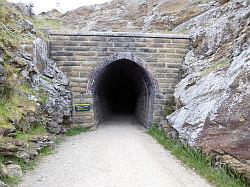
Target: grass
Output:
{"points": [[46, 151], [13, 108], [12, 181], [216, 66], [43, 98], [75, 131], [26, 166], [7, 111], [42, 23], [198, 161], [25, 88], [168, 109], [6, 179], [38, 129]]}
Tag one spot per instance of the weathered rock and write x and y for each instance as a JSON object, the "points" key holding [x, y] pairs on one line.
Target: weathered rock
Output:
{"points": [[23, 8], [131, 15], [26, 25], [42, 142], [2, 184], [3, 75], [10, 170], [14, 170], [54, 13], [55, 84], [214, 95], [170, 131], [3, 170]]}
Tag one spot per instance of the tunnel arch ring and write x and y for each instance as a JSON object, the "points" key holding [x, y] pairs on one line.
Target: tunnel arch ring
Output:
{"points": [[100, 69]]}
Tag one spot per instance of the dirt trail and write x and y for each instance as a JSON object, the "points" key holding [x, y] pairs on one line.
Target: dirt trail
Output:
{"points": [[118, 154]]}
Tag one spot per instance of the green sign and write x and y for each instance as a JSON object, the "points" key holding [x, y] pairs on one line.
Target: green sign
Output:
{"points": [[82, 107]]}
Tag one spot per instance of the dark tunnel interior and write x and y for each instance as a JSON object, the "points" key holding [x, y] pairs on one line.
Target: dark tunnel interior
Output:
{"points": [[123, 88]]}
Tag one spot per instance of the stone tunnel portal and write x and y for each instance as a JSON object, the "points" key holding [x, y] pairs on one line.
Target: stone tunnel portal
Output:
{"points": [[113, 72], [124, 87]]}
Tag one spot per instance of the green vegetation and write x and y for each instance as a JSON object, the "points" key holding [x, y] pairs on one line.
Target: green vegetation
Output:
{"points": [[43, 98], [46, 151], [12, 181], [195, 159], [26, 166], [6, 179], [25, 88], [76, 130], [13, 108], [42, 23], [8, 111], [168, 32], [217, 66], [38, 129], [168, 108], [3, 10]]}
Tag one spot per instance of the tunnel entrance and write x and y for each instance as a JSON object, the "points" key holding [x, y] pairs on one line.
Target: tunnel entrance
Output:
{"points": [[123, 87]]}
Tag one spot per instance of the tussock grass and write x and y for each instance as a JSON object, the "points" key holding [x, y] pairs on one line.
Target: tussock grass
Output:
{"points": [[168, 108], [38, 129], [26, 166], [12, 181], [197, 161], [43, 97], [42, 23], [76, 130]]}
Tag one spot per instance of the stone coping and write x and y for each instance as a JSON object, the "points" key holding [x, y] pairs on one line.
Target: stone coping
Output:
{"points": [[118, 34]]}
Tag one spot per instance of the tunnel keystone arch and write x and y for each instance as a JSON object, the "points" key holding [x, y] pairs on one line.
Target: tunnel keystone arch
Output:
{"points": [[149, 66]]}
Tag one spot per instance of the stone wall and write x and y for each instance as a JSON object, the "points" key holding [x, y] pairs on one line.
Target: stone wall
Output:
{"points": [[80, 55]]}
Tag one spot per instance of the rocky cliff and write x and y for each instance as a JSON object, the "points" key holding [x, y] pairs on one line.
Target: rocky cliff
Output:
{"points": [[132, 15], [35, 102], [213, 97]]}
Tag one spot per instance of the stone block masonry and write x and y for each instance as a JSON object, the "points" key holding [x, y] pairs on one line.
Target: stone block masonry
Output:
{"points": [[87, 57]]}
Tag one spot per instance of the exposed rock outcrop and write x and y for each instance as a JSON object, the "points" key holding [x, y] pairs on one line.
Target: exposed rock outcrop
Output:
{"points": [[54, 83], [132, 15], [35, 102], [214, 95]]}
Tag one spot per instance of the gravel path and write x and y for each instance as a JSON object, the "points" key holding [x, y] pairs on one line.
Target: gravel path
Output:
{"points": [[118, 154]]}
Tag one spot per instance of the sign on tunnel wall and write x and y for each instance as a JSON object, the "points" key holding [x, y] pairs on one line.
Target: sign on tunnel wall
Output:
{"points": [[84, 107]]}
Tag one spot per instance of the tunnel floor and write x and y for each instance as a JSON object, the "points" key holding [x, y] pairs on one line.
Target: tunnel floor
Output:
{"points": [[123, 88]]}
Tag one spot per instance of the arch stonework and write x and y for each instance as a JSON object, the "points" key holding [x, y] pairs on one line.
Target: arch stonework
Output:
{"points": [[85, 56], [100, 68]]}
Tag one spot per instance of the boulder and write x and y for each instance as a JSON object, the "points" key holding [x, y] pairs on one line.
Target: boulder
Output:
{"points": [[3, 170], [11, 170], [2, 184], [26, 25], [14, 170]]}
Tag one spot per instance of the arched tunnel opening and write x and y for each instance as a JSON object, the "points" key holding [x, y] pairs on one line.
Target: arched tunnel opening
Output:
{"points": [[124, 88]]}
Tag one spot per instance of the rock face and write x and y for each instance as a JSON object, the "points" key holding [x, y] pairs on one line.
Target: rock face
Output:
{"points": [[213, 98], [33, 91], [132, 15], [55, 84]]}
